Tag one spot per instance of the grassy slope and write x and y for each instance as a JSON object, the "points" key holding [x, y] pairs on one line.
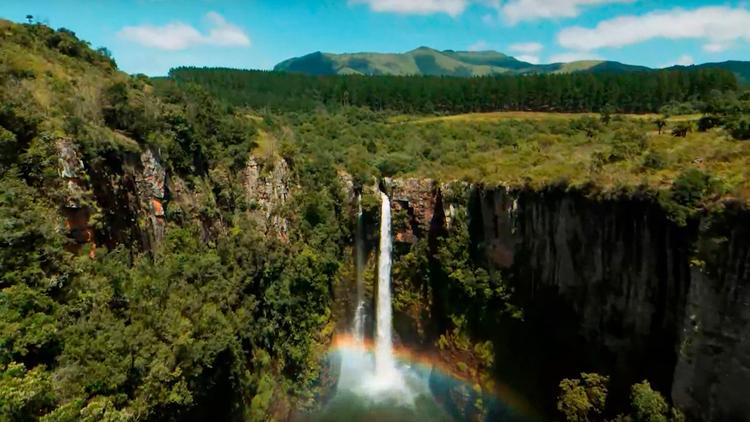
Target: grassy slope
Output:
{"points": [[546, 159], [528, 115], [61, 86], [534, 150]]}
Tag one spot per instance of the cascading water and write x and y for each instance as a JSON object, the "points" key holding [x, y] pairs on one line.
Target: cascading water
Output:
{"points": [[373, 374], [385, 367], [359, 314]]}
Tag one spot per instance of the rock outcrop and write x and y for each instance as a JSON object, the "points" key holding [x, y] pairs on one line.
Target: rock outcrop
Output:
{"points": [[120, 191], [150, 182], [268, 189], [413, 204], [75, 192]]}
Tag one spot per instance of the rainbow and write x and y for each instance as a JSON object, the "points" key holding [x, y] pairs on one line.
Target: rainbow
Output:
{"points": [[432, 362]]}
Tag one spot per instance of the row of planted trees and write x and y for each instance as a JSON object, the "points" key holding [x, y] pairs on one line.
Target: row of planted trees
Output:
{"points": [[632, 92]]}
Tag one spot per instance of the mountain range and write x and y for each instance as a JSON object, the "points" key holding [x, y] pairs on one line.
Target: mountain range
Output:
{"points": [[428, 61]]}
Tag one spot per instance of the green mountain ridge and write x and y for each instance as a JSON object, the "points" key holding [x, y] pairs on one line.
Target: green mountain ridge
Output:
{"points": [[428, 61]]}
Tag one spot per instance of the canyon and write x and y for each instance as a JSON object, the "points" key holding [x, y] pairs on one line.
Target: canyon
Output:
{"points": [[609, 285]]}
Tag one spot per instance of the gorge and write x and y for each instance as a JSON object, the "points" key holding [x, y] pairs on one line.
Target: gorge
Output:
{"points": [[608, 285]]}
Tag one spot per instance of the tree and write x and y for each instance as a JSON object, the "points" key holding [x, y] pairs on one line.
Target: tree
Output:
{"points": [[30, 18], [739, 127], [583, 400], [681, 130], [606, 114], [660, 124], [650, 406]]}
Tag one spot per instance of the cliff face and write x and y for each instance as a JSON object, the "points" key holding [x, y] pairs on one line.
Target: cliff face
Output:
{"points": [[268, 190], [114, 199], [603, 286], [610, 286], [121, 198], [712, 377]]}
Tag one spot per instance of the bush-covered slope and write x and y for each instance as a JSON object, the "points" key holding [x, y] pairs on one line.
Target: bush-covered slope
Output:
{"points": [[138, 281]]}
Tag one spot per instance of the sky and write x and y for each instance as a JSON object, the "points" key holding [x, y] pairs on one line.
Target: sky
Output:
{"points": [[152, 36]]}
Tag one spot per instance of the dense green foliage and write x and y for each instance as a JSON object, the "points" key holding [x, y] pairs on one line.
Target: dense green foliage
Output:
{"points": [[221, 319], [729, 110], [585, 399], [635, 92]]}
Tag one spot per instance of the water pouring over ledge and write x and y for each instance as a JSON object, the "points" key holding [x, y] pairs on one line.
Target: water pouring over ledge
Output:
{"points": [[369, 369], [386, 376], [359, 251]]}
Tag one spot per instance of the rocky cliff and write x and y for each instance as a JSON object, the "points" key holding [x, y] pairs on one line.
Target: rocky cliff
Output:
{"points": [[610, 286], [121, 197], [712, 376]]}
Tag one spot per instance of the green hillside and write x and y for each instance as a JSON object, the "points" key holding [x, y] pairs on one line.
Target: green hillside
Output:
{"points": [[421, 61], [428, 61], [739, 68]]}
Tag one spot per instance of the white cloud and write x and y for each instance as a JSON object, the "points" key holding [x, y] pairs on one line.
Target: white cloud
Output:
{"points": [[180, 36], [526, 47], [479, 46], [489, 19], [716, 47], [715, 25], [528, 58], [685, 60], [522, 10], [573, 56], [513, 11], [417, 7]]}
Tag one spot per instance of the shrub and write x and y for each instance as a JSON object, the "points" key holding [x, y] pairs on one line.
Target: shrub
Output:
{"points": [[583, 399], [395, 163], [739, 127], [708, 122], [654, 160], [650, 406], [8, 148], [682, 129], [690, 187]]}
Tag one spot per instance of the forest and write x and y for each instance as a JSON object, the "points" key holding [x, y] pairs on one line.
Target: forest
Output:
{"points": [[623, 92]]}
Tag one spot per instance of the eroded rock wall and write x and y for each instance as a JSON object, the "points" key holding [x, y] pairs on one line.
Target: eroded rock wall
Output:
{"points": [[121, 198], [268, 189], [712, 378]]}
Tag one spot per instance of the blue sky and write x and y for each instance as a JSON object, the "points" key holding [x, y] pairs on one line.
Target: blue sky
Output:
{"points": [[150, 36]]}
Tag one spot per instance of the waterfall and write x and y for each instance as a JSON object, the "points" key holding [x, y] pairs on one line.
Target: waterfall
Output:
{"points": [[375, 374], [359, 313], [384, 362]]}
